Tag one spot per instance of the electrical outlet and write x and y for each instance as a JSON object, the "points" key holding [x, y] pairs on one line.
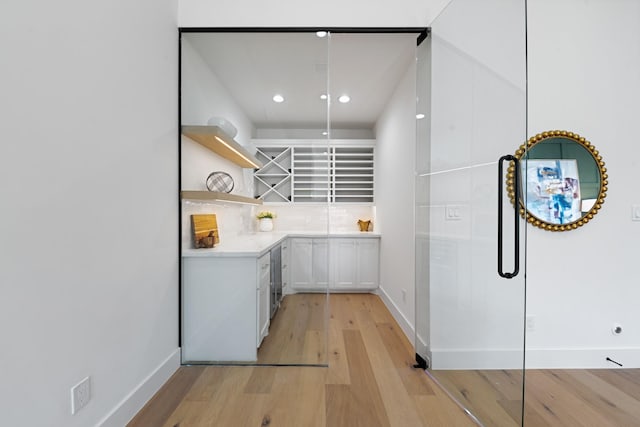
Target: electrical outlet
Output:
{"points": [[531, 323], [80, 395]]}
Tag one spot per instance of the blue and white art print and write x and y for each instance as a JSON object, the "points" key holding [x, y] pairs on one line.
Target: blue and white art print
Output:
{"points": [[553, 190]]}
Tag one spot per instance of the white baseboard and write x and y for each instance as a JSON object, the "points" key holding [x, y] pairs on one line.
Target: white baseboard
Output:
{"points": [[582, 358], [405, 324], [552, 358], [472, 359], [140, 395]]}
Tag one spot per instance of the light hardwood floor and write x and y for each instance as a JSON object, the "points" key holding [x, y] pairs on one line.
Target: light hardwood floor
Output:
{"points": [[553, 397], [298, 332], [369, 382]]}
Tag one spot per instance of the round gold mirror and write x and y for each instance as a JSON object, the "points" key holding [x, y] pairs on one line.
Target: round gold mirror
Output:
{"points": [[563, 180]]}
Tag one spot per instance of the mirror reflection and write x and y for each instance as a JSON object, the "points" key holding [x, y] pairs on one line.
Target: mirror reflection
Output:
{"points": [[563, 178]]}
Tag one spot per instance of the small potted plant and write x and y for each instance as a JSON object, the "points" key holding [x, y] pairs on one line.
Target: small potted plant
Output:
{"points": [[265, 220]]}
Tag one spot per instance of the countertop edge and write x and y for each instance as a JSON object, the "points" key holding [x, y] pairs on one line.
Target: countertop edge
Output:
{"points": [[268, 244]]}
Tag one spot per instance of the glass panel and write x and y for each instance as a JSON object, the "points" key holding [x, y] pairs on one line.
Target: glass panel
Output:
{"points": [[470, 321], [260, 295]]}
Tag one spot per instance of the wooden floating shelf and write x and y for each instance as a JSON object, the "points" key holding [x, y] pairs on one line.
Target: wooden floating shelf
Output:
{"points": [[217, 196], [213, 138]]}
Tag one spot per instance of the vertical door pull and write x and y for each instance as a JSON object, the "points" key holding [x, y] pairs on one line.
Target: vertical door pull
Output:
{"points": [[516, 222]]}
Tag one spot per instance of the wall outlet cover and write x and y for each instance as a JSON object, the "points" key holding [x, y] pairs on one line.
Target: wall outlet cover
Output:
{"points": [[80, 395]]}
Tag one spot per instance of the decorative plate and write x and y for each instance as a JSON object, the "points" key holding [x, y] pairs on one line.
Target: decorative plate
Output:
{"points": [[220, 181]]}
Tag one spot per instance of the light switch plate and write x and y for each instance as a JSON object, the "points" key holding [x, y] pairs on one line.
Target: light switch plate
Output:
{"points": [[453, 212], [635, 213]]}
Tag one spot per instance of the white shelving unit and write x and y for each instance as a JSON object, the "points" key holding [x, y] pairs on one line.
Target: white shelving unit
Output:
{"points": [[353, 175], [311, 174], [273, 180], [305, 174]]}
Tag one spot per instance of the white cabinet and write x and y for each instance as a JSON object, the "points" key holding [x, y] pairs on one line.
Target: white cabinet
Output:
{"points": [[220, 309], [367, 263], [285, 260], [309, 264], [226, 307], [344, 259], [320, 263], [301, 263], [264, 304], [353, 264]]}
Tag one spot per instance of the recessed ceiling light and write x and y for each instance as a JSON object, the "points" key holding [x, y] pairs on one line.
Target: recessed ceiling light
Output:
{"points": [[325, 133], [344, 99], [419, 116], [321, 34], [323, 96], [278, 98]]}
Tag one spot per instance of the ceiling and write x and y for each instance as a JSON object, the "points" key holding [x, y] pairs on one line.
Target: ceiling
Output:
{"points": [[300, 66]]}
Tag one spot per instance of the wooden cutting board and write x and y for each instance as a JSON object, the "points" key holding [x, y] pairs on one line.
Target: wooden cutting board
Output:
{"points": [[204, 228]]}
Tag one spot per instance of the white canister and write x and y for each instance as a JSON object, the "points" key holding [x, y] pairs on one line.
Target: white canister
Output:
{"points": [[265, 224]]}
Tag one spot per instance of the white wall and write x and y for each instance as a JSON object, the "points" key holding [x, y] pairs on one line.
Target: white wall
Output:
{"points": [[203, 97], [88, 179], [394, 166], [584, 76], [292, 13]]}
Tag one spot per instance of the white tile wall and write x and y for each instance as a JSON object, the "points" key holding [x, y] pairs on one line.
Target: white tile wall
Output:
{"points": [[235, 219]]}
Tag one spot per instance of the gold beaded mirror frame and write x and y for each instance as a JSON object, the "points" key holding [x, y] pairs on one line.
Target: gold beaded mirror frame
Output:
{"points": [[563, 180]]}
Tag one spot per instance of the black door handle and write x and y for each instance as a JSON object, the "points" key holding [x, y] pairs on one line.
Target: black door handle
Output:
{"points": [[516, 222]]}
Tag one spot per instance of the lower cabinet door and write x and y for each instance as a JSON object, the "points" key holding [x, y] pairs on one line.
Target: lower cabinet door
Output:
{"points": [[264, 303], [300, 262], [320, 263], [263, 300], [343, 263], [353, 266], [367, 265]]}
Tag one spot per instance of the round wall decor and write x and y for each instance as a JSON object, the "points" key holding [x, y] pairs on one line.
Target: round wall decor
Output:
{"points": [[220, 181]]}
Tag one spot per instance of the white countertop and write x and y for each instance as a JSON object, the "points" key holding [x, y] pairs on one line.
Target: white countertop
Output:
{"points": [[256, 244]]}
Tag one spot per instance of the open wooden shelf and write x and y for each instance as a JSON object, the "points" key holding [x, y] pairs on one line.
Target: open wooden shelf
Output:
{"points": [[217, 196], [213, 138]]}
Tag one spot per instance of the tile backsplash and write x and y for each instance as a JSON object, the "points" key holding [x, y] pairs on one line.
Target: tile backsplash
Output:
{"points": [[235, 219]]}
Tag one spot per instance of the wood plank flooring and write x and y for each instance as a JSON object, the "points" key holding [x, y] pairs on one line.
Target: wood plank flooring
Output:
{"points": [[553, 397], [298, 333], [369, 382]]}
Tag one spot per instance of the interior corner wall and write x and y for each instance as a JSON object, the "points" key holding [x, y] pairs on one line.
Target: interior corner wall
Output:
{"points": [[394, 184], [89, 230], [584, 76]]}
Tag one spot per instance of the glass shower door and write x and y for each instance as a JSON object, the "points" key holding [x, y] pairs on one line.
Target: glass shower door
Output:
{"points": [[470, 241]]}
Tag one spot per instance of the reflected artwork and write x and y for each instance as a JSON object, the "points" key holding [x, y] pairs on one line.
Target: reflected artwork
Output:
{"points": [[553, 190]]}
